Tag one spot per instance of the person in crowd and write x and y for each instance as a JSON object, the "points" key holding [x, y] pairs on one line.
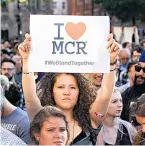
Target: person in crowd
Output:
{"points": [[132, 93], [124, 58], [142, 43], [49, 127], [15, 120], [138, 109], [13, 94], [4, 83], [130, 74], [135, 55], [7, 46], [5, 54], [127, 45], [114, 130], [18, 74], [16, 49], [70, 93], [97, 79], [8, 69], [6, 137], [18, 79]]}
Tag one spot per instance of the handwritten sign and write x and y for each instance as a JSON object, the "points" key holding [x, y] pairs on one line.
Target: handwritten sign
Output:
{"points": [[69, 44]]}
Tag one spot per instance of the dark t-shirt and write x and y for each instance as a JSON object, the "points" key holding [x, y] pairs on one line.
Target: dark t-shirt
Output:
{"points": [[79, 137], [129, 96]]}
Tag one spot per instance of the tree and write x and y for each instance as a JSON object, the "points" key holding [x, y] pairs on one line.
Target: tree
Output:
{"points": [[125, 10]]}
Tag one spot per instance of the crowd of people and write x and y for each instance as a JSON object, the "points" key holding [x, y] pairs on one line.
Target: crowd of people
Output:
{"points": [[73, 108]]}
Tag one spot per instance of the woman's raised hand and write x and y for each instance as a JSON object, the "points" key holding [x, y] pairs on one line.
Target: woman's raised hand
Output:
{"points": [[25, 47], [113, 48]]}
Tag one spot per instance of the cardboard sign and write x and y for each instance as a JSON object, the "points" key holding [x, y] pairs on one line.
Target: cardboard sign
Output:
{"points": [[73, 44]]}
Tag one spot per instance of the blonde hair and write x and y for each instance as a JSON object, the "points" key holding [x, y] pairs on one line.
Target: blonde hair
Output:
{"points": [[119, 124]]}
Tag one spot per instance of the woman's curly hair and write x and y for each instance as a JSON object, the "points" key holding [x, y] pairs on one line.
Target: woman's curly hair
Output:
{"points": [[87, 95]]}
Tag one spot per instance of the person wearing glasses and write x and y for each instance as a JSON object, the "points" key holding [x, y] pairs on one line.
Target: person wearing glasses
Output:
{"points": [[8, 69], [131, 94]]}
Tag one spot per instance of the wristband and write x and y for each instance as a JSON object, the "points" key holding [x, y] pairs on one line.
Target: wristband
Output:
{"points": [[99, 115], [26, 73], [113, 69]]}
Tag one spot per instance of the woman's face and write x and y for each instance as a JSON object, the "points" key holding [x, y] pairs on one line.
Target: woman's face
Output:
{"points": [[115, 105], [141, 121], [53, 132], [65, 92]]}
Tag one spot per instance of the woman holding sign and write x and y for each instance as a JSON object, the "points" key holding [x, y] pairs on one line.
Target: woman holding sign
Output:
{"points": [[72, 94]]}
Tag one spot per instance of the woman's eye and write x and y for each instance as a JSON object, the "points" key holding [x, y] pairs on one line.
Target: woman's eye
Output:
{"points": [[73, 87], [114, 101], [62, 129], [50, 130], [60, 87]]}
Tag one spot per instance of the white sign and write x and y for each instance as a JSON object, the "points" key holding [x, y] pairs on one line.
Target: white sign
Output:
{"points": [[75, 44]]}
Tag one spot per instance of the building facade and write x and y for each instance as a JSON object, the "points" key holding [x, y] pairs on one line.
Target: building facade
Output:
{"points": [[59, 7], [15, 16], [8, 20], [84, 7]]}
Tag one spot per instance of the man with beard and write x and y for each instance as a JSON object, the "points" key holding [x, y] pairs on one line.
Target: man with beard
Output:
{"points": [[131, 94], [8, 69]]}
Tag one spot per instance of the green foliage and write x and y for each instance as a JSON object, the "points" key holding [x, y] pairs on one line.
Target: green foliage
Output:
{"points": [[125, 10], [47, 1]]}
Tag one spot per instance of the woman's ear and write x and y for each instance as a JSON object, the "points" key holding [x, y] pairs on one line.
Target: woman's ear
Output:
{"points": [[37, 136]]}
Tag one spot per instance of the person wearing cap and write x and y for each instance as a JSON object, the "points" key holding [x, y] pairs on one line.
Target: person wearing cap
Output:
{"points": [[131, 94]]}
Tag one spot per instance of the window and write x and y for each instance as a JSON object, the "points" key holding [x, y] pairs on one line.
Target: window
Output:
{"points": [[63, 5], [54, 5], [78, 3]]}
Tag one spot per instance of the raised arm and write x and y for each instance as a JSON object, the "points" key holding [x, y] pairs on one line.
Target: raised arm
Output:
{"points": [[32, 102], [103, 97]]}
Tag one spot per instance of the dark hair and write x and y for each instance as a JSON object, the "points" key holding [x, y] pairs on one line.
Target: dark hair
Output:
{"points": [[4, 51], [139, 106], [12, 53], [142, 42], [125, 44], [43, 115], [13, 94], [7, 60], [130, 65], [87, 95], [137, 48]]}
